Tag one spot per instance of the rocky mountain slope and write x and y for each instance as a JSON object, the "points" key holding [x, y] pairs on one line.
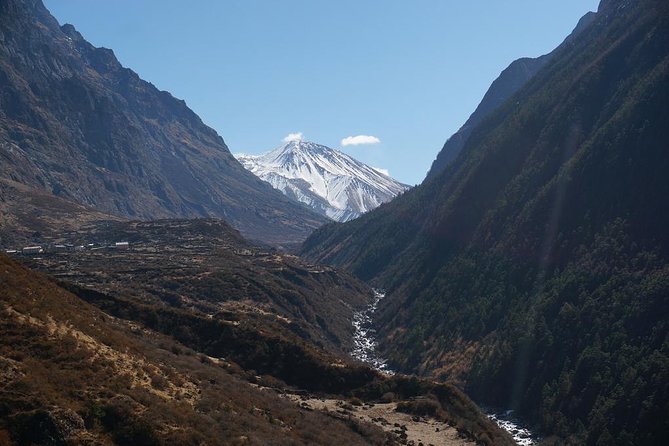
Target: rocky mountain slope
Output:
{"points": [[72, 374], [534, 268], [205, 265], [329, 181], [76, 124], [33, 216], [512, 79], [80, 366]]}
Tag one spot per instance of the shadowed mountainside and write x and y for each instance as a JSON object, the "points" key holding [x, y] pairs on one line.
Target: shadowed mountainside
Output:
{"points": [[534, 268], [512, 79]]}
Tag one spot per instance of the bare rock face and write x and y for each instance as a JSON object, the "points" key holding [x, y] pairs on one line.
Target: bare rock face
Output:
{"points": [[77, 124]]}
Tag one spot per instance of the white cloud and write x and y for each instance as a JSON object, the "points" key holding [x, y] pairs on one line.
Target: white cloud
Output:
{"points": [[293, 137], [359, 139], [386, 172]]}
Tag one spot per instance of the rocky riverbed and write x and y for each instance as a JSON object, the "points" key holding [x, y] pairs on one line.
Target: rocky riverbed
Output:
{"points": [[365, 350], [364, 338]]}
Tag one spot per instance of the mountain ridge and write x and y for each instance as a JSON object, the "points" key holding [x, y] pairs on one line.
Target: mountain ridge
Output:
{"points": [[77, 124], [510, 80], [330, 181]]}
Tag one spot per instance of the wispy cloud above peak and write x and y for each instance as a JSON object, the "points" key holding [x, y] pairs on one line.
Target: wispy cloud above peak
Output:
{"points": [[385, 172], [297, 136], [359, 140]]}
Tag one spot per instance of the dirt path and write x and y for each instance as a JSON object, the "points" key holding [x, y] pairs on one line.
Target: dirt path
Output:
{"points": [[409, 429]]}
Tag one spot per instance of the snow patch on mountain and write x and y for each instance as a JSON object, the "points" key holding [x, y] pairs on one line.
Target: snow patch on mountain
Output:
{"points": [[327, 180]]}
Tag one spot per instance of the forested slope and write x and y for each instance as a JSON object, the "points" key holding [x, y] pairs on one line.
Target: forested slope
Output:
{"points": [[534, 268], [512, 79]]}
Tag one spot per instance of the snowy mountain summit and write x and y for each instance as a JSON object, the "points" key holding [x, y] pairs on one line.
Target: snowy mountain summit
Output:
{"points": [[327, 180]]}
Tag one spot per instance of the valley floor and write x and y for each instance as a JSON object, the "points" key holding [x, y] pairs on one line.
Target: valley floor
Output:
{"points": [[408, 429], [366, 351]]}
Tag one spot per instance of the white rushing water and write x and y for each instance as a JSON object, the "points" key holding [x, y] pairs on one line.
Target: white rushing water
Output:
{"points": [[364, 338], [512, 425], [365, 350]]}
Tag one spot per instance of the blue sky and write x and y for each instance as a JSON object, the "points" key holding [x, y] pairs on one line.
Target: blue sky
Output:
{"points": [[406, 72]]}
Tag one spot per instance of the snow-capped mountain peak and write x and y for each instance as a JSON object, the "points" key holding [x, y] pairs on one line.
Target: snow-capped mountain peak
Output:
{"points": [[331, 182]]}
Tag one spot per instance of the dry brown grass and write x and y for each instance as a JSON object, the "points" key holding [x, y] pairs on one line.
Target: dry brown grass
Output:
{"points": [[73, 373]]}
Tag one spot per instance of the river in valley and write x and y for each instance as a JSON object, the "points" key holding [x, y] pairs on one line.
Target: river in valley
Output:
{"points": [[365, 350], [364, 337], [507, 421]]}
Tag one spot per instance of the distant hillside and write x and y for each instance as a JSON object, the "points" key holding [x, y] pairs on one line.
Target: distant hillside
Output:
{"points": [[76, 124], [34, 216], [535, 267], [206, 265], [329, 181]]}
